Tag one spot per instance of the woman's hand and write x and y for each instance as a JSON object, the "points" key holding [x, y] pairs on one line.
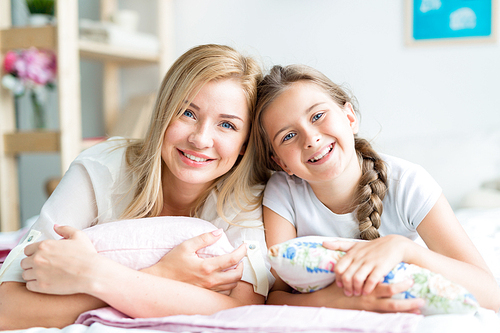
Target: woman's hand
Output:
{"points": [[366, 263], [183, 264], [60, 267]]}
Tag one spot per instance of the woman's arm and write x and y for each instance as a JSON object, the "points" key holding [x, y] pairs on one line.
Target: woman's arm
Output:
{"points": [[21, 308], [72, 266], [279, 230], [450, 253]]}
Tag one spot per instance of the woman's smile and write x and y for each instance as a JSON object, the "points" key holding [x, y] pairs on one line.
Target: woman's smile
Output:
{"points": [[194, 159]]}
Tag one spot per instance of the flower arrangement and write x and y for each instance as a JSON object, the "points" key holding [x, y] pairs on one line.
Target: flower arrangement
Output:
{"points": [[32, 71]]}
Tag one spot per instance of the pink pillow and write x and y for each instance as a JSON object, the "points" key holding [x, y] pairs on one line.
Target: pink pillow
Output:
{"points": [[140, 243]]}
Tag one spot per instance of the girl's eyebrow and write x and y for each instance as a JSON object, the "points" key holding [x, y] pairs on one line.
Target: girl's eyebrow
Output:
{"points": [[287, 126]]}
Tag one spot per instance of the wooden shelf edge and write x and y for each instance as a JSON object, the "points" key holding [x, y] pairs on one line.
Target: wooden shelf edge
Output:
{"points": [[30, 142], [25, 37], [122, 55]]}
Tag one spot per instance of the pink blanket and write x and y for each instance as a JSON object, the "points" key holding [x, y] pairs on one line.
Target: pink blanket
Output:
{"points": [[263, 318]]}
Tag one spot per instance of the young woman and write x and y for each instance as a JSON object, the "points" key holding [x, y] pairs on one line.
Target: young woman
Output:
{"points": [[332, 183], [191, 163]]}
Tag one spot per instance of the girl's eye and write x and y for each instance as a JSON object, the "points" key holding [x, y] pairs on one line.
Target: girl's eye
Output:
{"points": [[317, 116], [228, 125], [289, 136], [188, 113]]}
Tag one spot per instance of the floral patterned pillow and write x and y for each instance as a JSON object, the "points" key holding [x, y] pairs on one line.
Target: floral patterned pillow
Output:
{"points": [[307, 266]]}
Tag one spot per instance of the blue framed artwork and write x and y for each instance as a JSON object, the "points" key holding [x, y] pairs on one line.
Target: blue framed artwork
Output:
{"points": [[451, 20]]}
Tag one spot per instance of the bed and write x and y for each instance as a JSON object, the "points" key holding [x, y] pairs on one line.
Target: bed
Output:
{"points": [[482, 225]]}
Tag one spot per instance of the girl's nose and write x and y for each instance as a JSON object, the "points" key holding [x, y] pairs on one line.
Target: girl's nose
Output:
{"points": [[201, 137], [312, 140]]}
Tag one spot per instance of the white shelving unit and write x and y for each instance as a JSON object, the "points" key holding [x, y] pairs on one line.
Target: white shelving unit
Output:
{"points": [[63, 38]]}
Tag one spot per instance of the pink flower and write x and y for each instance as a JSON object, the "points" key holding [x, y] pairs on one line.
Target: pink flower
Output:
{"points": [[9, 61], [38, 66]]}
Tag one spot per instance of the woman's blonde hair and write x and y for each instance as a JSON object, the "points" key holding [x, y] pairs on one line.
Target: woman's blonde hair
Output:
{"points": [[372, 186], [196, 67]]}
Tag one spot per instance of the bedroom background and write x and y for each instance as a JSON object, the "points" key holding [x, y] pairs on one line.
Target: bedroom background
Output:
{"points": [[435, 105]]}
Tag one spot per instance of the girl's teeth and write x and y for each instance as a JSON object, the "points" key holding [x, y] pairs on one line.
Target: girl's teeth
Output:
{"points": [[194, 158], [317, 158]]}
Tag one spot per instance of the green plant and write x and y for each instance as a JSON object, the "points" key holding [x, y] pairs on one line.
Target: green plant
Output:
{"points": [[41, 6]]}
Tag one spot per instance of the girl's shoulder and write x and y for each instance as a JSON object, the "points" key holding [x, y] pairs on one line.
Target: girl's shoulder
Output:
{"points": [[281, 177], [398, 168]]}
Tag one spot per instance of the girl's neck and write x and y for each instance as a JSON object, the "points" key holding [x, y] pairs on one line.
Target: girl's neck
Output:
{"points": [[339, 194], [180, 198]]}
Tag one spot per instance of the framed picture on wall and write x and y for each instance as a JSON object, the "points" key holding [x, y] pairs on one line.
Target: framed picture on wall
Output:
{"points": [[450, 21]]}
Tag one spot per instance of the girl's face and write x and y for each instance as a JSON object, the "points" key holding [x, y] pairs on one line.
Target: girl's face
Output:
{"points": [[312, 136], [205, 142]]}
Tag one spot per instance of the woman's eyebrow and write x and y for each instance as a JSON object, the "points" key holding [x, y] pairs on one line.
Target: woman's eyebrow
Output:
{"points": [[230, 116], [194, 106]]}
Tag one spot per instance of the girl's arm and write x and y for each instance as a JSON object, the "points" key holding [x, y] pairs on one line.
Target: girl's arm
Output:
{"points": [[279, 230], [450, 253]]}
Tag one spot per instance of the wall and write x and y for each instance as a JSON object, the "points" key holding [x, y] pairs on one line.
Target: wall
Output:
{"points": [[435, 105]]}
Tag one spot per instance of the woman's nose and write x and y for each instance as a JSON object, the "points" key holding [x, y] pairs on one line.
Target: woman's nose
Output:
{"points": [[201, 137]]}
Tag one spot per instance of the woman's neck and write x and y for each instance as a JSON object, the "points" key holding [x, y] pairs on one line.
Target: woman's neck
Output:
{"points": [[180, 198]]}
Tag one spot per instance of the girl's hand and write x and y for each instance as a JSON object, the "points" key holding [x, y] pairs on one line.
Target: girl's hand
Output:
{"points": [[380, 299], [366, 263], [60, 267], [216, 274]]}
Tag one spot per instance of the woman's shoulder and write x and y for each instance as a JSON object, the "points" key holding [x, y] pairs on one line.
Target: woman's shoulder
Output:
{"points": [[112, 146]]}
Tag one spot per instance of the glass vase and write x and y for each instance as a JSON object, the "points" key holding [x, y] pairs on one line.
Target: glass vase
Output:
{"points": [[38, 111]]}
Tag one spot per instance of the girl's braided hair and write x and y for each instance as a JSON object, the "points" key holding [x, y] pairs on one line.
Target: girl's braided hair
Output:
{"points": [[373, 183]]}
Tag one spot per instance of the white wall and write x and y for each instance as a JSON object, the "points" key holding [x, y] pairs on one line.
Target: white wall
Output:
{"points": [[438, 106]]}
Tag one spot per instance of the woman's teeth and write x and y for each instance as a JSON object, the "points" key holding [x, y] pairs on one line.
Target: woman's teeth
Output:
{"points": [[194, 158], [323, 153]]}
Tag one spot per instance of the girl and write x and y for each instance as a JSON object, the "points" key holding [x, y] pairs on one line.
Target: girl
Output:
{"points": [[191, 163], [333, 183]]}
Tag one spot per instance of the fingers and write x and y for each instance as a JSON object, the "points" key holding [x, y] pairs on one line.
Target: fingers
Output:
{"points": [[339, 245], [226, 261], [203, 240], [66, 231], [389, 290]]}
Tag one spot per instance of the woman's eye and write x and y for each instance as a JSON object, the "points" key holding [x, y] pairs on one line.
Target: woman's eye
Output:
{"points": [[317, 116], [228, 125], [288, 136], [188, 113]]}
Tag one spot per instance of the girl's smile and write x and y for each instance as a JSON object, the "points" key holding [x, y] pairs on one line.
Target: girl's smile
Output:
{"points": [[323, 155]]}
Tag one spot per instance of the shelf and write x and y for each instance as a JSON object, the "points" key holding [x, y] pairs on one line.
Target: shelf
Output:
{"points": [[46, 38], [26, 37], [29, 142], [121, 55]]}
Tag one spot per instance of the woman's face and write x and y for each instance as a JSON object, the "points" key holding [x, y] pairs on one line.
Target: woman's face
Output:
{"points": [[311, 135], [205, 142]]}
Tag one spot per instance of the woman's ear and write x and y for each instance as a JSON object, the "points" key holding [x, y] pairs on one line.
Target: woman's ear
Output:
{"points": [[351, 116], [281, 164], [243, 149]]}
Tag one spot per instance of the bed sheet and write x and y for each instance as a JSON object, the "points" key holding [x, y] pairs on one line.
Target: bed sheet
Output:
{"points": [[482, 226]]}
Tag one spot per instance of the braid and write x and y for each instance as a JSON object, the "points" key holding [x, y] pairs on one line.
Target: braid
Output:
{"points": [[371, 191]]}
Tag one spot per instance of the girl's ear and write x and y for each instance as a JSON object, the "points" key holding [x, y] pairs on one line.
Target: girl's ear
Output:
{"points": [[281, 164], [351, 116]]}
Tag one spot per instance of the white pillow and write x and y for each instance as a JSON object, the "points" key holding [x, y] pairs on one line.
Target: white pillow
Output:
{"points": [[140, 243], [307, 266]]}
